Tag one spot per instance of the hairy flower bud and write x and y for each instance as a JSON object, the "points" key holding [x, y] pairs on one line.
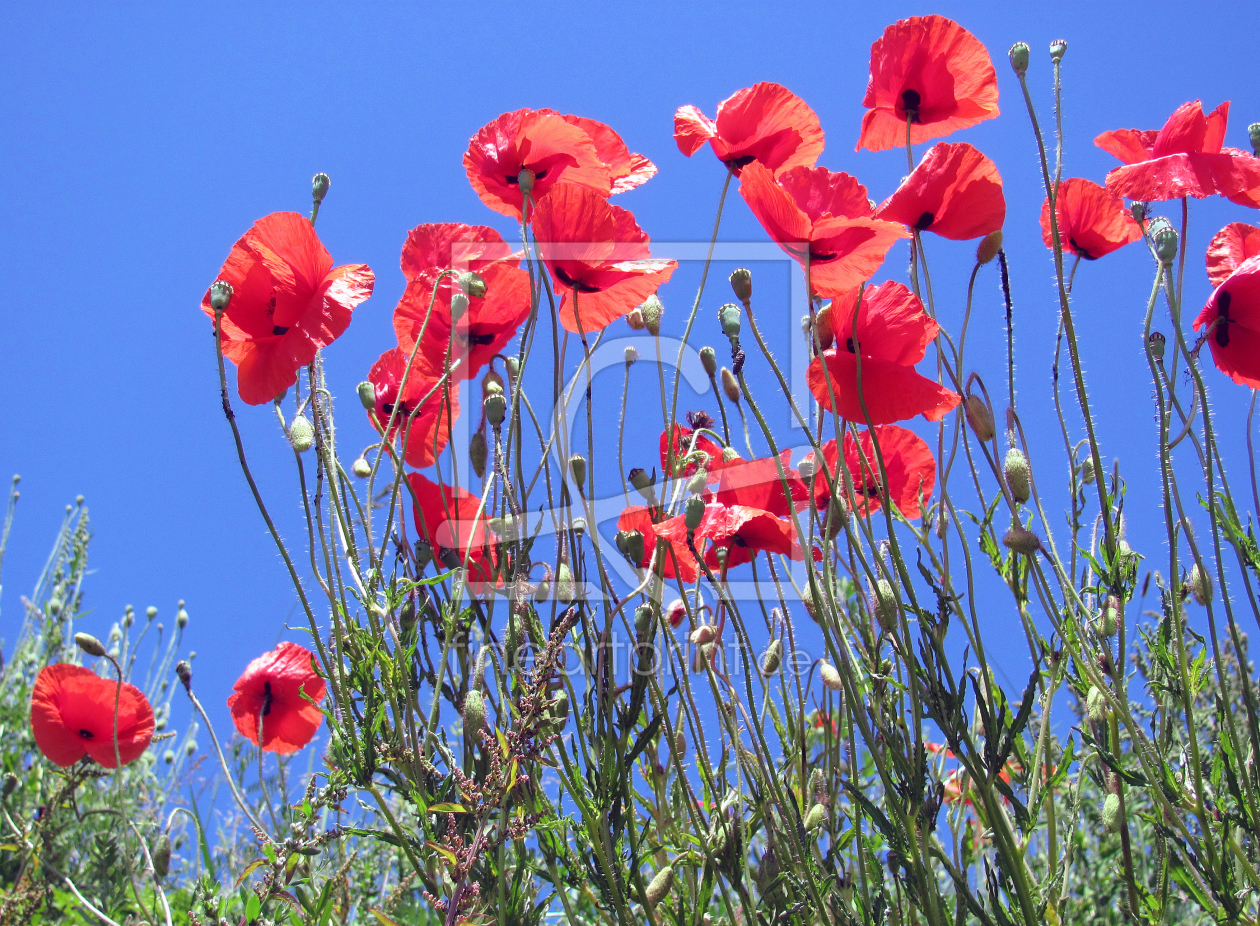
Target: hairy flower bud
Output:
{"points": [[988, 247], [1110, 616], [474, 711], [184, 672], [1087, 471], [634, 318], [699, 482], [1199, 580], [477, 453], [693, 512], [676, 613], [652, 310], [1166, 244], [566, 590], [1058, 48], [1019, 58], [680, 742], [577, 469], [525, 180], [495, 406], [831, 677], [659, 888], [771, 658], [471, 283], [1096, 705], [824, 328], [1253, 132], [730, 385], [885, 601], [703, 635], [89, 644], [491, 384], [979, 417], [1018, 475], [162, 851], [741, 284], [367, 395], [630, 543], [220, 295], [1111, 813], [816, 817], [1021, 541], [729, 317], [301, 434], [708, 360], [1156, 342], [729, 455], [181, 617]]}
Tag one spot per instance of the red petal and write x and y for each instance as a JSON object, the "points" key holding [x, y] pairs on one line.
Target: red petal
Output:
{"points": [[692, 129], [955, 192], [1230, 247], [1092, 220], [891, 323], [770, 124], [1238, 356], [1184, 131], [626, 170], [908, 463], [1129, 145], [1178, 175], [892, 392]]}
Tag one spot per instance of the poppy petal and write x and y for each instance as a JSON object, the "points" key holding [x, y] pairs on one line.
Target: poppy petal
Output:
{"points": [[1092, 220], [955, 191], [692, 129], [1230, 247], [892, 392]]}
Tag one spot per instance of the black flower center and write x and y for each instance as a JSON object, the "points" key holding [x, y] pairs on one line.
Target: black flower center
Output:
{"points": [[910, 102], [925, 221], [1222, 319], [86, 734], [563, 276], [279, 329], [266, 699], [1080, 250]]}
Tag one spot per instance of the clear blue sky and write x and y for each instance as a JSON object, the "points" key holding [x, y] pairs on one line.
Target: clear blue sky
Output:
{"points": [[141, 140]]}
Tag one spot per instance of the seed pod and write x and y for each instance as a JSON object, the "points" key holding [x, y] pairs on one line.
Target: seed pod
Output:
{"points": [[632, 354], [1111, 813], [477, 453], [988, 247], [319, 187], [703, 635], [816, 817], [1096, 705], [367, 395], [630, 543], [89, 644], [728, 317], [1018, 475], [730, 385], [708, 360], [459, 305], [1057, 50], [693, 512], [424, 553], [1253, 132], [1156, 341], [560, 706], [1019, 58], [1021, 541], [979, 417], [741, 284], [361, 468], [652, 310], [1166, 244], [474, 711], [644, 621], [771, 658], [220, 295], [525, 181], [301, 434], [639, 478], [1200, 582], [577, 469], [162, 853], [496, 409], [659, 888], [1110, 615], [579, 526], [831, 677]]}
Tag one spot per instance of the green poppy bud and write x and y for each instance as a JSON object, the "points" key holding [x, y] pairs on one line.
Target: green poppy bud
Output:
{"points": [[367, 395], [220, 295], [55, 606], [1199, 581], [361, 468], [577, 469], [1087, 471], [659, 888], [693, 512], [831, 677], [491, 384], [477, 453], [771, 658], [496, 409], [1166, 244], [1019, 58], [471, 283], [1018, 475], [730, 455], [1058, 48], [816, 817], [807, 599], [988, 247], [89, 644], [652, 311], [885, 601], [680, 743], [1111, 813], [565, 592], [162, 851], [474, 711], [525, 180], [741, 283], [1021, 541], [10, 784], [729, 317], [817, 783], [1110, 616], [1096, 706], [630, 543], [424, 553], [979, 417], [560, 706], [708, 360], [1253, 132], [644, 620], [319, 187], [301, 434], [181, 617], [1156, 342], [730, 385]]}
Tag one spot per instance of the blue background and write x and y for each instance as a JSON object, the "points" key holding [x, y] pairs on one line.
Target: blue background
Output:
{"points": [[140, 141]]}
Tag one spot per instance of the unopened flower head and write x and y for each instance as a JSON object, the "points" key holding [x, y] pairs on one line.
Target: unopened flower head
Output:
{"points": [[741, 284], [301, 434], [1019, 58], [319, 187], [653, 310]]}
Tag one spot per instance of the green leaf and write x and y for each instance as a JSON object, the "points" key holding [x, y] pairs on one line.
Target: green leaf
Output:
{"points": [[253, 908], [447, 808]]}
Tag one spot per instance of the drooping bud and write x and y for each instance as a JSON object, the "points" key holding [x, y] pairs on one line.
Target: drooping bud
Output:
{"points": [[699, 482], [730, 454], [1156, 342], [700, 658], [566, 589], [741, 284], [730, 385], [659, 888], [459, 305], [630, 543], [1058, 48], [979, 417], [1199, 581], [1166, 244], [525, 180], [496, 409], [162, 851], [1253, 132], [703, 635], [184, 671], [652, 310], [89, 644], [831, 677], [367, 395], [988, 247], [474, 711], [807, 599], [676, 613], [477, 453], [729, 317], [220, 295], [1021, 541], [824, 328], [1111, 813], [644, 620], [771, 658], [1087, 471], [1018, 475], [1019, 58], [708, 360], [643, 482], [301, 434], [680, 742], [471, 283], [634, 318], [491, 383], [816, 817], [632, 354], [577, 469], [693, 512], [885, 601]]}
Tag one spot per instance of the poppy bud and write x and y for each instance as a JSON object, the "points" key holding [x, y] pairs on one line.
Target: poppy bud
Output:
{"points": [[741, 284], [632, 354], [525, 180], [730, 385], [680, 742], [1087, 471], [496, 409], [1021, 541], [301, 434], [89, 644], [543, 590], [474, 711], [184, 671], [1253, 132], [1111, 813], [643, 482], [220, 295], [367, 395], [700, 658], [699, 482], [1199, 580], [560, 706], [1166, 244], [565, 591], [837, 512], [807, 599], [988, 247], [676, 613], [1096, 705], [10, 783], [1019, 58], [471, 283], [660, 886], [807, 468], [1058, 48], [577, 468], [644, 620], [1110, 614], [491, 383], [319, 187], [831, 677], [824, 328], [703, 635], [980, 417], [693, 512], [816, 817], [1138, 211], [1155, 341], [424, 553], [728, 316], [150, 612], [708, 360], [771, 658], [477, 453], [652, 310], [1018, 474], [162, 851], [635, 320], [630, 543], [54, 606], [181, 617]]}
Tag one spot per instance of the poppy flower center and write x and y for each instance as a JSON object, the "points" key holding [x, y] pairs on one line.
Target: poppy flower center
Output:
{"points": [[513, 181], [1080, 250], [279, 329], [910, 102], [86, 734], [473, 339], [1222, 319], [925, 221], [740, 162], [266, 699], [573, 283], [404, 410]]}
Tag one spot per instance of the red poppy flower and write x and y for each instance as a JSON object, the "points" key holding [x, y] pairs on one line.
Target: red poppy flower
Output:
{"points": [[765, 123], [270, 691], [72, 716], [489, 322], [1234, 313], [639, 518], [598, 256], [626, 170], [288, 301], [893, 334], [955, 192], [454, 524], [823, 213], [907, 460], [1232, 245], [1093, 221], [1184, 158], [429, 430], [740, 530], [538, 140], [756, 484], [932, 72], [684, 445]]}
